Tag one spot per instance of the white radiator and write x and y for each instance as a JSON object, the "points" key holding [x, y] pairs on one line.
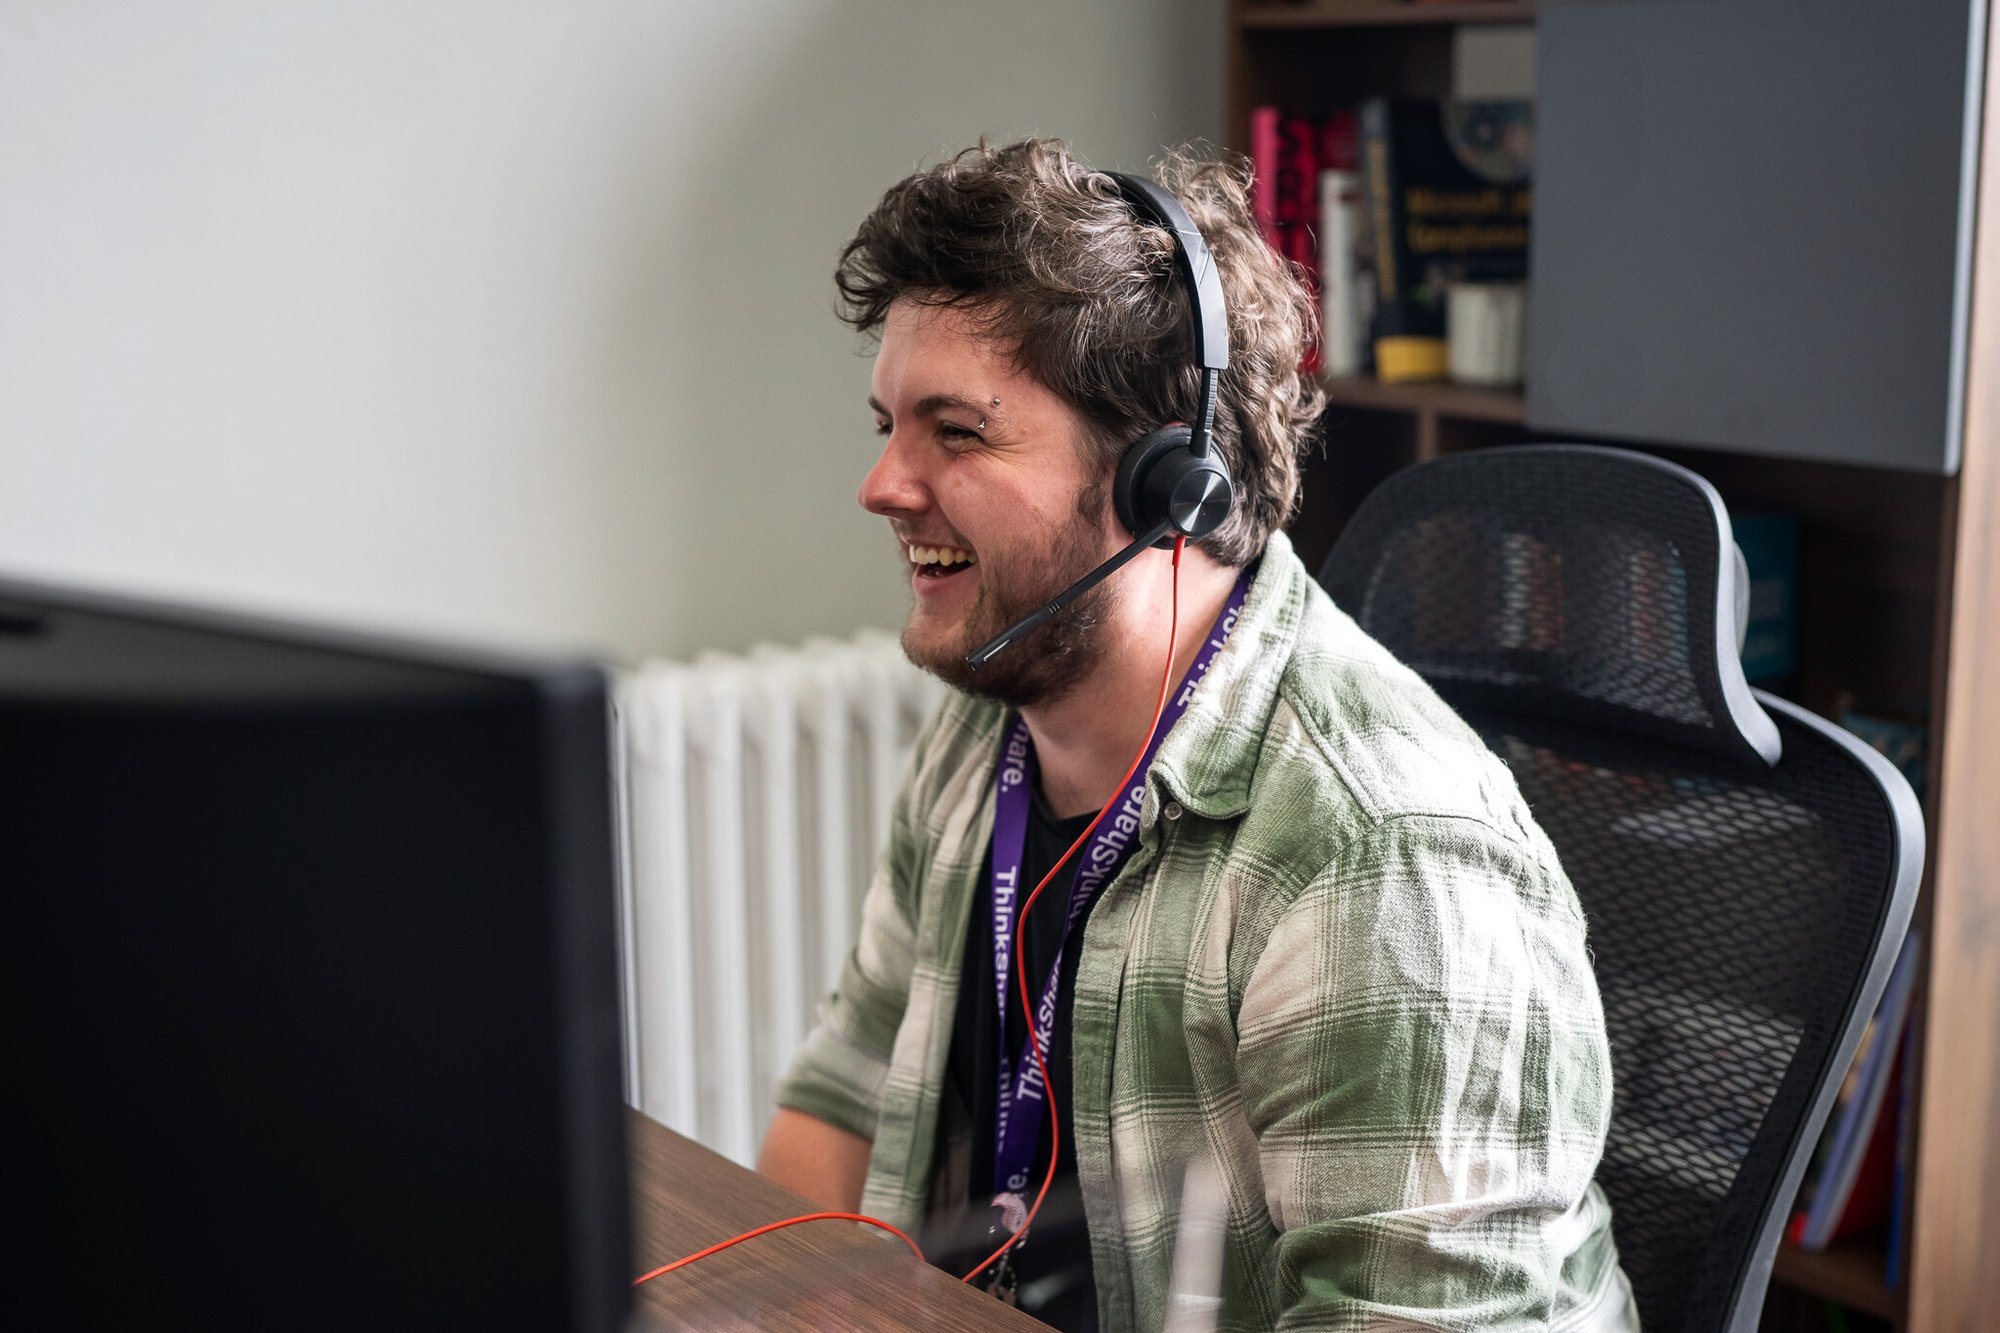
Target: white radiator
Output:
{"points": [[754, 800]]}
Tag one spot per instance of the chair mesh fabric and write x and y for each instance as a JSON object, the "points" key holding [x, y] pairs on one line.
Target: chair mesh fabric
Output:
{"points": [[1733, 905], [1562, 582], [1732, 909]]}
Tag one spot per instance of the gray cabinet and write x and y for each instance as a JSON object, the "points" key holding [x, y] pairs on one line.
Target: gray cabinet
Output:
{"points": [[1753, 225]]}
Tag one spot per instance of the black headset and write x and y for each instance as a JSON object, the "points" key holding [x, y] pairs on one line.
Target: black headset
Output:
{"points": [[1170, 482]]}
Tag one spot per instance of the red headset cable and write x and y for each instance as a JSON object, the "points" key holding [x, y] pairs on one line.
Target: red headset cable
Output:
{"points": [[1021, 921], [1027, 1009], [720, 1246]]}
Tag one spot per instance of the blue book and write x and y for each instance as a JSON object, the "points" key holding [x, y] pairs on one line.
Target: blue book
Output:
{"points": [[1770, 546], [1904, 743], [1899, 1199], [1855, 1123]]}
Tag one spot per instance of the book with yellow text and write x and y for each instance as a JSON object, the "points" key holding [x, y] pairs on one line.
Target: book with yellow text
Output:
{"points": [[1447, 200]]}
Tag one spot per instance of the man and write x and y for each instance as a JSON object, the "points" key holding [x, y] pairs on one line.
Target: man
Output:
{"points": [[1339, 961]]}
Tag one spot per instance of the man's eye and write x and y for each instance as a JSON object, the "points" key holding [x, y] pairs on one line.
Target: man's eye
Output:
{"points": [[881, 428], [957, 435]]}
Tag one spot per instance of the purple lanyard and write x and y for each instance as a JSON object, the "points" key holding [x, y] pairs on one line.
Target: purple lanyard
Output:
{"points": [[1015, 1137]]}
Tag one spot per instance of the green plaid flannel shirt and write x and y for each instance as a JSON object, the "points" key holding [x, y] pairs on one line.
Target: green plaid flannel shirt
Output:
{"points": [[1343, 962]]}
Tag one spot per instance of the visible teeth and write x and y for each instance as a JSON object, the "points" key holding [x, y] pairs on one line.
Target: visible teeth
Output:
{"points": [[938, 555]]}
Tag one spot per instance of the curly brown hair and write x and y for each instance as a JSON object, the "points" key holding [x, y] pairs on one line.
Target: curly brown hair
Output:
{"points": [[1051, 263]]}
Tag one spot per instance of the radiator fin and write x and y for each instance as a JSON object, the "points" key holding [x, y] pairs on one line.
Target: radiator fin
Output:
{"points": [[754, 799]]}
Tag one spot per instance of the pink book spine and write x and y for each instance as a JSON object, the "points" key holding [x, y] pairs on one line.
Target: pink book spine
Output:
{"points": [[1264, 165]]}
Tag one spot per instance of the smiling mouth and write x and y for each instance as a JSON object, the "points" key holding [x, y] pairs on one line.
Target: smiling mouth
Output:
{"points": [[938, 562]]}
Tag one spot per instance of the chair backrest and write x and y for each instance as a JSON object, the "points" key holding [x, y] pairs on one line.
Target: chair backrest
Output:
{"points": [[1747, 869]]}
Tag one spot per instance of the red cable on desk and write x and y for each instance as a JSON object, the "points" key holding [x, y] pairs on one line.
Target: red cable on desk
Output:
{"points": [[788, 1222], [1027, 1006]]}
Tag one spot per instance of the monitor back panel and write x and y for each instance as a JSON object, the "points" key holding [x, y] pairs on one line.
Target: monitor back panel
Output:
{"points": [[312, 984]]}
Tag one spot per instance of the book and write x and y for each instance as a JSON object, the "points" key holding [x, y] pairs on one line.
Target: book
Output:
{"points": [[1345, 305], [1264, 172], [1866, 1209], [1860, 1104], [1899, 1184], [1448, 198], [1903, 740], [1298, 189], [1299, 143], [1770, 546], [1346, 259], [1339, 142]]}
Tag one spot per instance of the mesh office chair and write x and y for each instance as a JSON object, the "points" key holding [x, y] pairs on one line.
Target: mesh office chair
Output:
{"points": [[1747, 869]]}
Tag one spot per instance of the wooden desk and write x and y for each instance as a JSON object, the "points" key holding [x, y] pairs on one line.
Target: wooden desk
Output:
{"points": [[822, 1275]]}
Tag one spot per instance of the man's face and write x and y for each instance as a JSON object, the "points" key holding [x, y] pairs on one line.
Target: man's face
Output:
{"points": [[993, 506]]}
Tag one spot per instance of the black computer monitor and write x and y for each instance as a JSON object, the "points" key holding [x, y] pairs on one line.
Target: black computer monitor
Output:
{"points": [[309, 948]]}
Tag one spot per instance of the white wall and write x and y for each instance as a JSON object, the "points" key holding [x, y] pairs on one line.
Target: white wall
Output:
{"points": [[510, 320]]}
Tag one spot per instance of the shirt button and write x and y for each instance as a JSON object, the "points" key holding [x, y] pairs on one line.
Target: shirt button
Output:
{"points": [[1173, 810]]}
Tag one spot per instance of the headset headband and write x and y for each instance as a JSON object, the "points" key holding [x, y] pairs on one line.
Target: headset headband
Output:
{"points": [[1197, 266]]}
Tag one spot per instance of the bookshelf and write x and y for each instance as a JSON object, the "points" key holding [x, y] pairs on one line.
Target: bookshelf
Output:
{"points": [[1438, 402], [1847, 1273], [1899, 599]]}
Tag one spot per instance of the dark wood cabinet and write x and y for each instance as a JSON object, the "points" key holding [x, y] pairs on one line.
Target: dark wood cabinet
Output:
{"points": [[1889, 458]]}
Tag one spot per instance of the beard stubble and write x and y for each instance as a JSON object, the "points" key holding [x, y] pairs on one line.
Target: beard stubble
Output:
{"points": [[1056, 656]]}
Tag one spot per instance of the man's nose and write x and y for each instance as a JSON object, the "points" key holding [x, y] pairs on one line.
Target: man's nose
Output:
{"points": [[894, 486]]}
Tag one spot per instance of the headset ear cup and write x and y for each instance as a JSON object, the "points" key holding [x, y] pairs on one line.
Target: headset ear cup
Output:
{"points": [[1160, 480], [1135, 466]]}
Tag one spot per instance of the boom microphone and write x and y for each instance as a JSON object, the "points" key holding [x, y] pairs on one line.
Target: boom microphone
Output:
{"points": [[1068, 595]]}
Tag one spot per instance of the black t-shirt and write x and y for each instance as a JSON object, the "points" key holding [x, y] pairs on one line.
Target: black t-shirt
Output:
{"points": [[1053, 1262]]}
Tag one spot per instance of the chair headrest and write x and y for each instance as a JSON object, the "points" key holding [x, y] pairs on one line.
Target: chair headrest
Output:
{"points": [[1598, 585]]}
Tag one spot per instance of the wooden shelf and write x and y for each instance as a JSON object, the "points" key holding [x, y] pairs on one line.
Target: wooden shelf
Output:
{"points": [[1387, 15], [1442, 417], [1851, 1273], [1445, 400]]}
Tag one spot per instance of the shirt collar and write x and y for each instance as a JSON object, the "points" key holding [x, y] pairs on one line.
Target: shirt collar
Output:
{"points": [[1208, 761]]}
